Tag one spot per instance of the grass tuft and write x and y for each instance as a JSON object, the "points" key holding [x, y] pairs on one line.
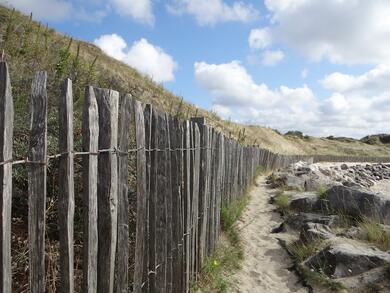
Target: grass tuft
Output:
{"points": [[282, 201], [375, 234], [228, 255], [321, 192], [300, 252]]}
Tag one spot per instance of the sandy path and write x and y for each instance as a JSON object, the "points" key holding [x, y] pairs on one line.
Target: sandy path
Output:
{"points": [[265, 264]]}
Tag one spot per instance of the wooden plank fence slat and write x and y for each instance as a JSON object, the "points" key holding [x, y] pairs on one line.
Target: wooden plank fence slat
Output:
{"points": [[108, 104], [196, 198], [174, 136], [37, 170], [169, 207], [151, 126], [90, 130], [141, 247], [161, 205], [66, 204], [6, 139], [122, 271], [187, 203]]}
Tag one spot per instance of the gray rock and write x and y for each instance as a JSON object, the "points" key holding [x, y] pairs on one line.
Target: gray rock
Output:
{"points": [[374, 276], [345, 258], [353, 233], [358, 202], [307, 202], [297, 221], [315, 231], [344, 167]]}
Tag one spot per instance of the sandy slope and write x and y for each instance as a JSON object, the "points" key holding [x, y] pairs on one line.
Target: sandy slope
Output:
{"points": [[265, 263]]}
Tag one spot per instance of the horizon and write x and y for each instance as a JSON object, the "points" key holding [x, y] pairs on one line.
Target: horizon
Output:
{"points": [[311, 66]]}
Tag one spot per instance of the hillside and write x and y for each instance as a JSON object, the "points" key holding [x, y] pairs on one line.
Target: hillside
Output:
{"points": [[29, 46]]}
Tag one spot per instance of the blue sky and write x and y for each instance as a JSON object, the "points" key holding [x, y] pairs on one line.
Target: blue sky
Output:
{"points": [[317, 66]]}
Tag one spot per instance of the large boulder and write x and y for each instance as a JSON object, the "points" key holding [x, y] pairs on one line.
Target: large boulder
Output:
{"points": [[358, 202], [345, 258], [307, 202], [297, 221]]}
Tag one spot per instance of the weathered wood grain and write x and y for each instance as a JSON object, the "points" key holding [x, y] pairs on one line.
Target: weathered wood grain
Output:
{"points": [[161, 211], [107, 101], [174, 136], [187, 204], [122, 263], [6, 138], [151, 123], [141, 247], [66, 188], [168, 200], [37, 169], [195, 201], [90, 129]]}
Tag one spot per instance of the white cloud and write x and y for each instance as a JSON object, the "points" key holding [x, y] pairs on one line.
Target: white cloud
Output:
{"points": [[271, 58], [237, 96], [139, 10], [260, 38], [147, 58], [113, 45], [375, 81], [338, 30], [51, 10], [211, 12]]}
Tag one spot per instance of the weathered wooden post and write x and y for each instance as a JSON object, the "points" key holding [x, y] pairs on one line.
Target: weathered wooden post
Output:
{"points": [[6, 139], [37, 168], [66, 188]]}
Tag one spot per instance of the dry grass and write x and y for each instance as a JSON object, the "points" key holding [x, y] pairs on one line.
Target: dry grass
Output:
{"points": [[33, 47], [374, 233]]}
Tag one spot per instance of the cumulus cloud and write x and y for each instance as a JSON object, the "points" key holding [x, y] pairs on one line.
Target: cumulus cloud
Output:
{"points": [[147, 58], [375, 81], [260, 38], [271, 58], [340, 31], [237, 96], [211, 12], [140, 10]]}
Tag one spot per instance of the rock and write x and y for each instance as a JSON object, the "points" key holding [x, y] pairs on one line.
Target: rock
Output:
{"points": [[315, 231], [297, 221], [307, 202], [374, 276], [344, 167], [345, 258], [353, 233], [357, 202]]}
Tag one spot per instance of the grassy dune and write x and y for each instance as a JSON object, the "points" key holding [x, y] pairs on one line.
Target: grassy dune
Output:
{"points": [[29, 46]]}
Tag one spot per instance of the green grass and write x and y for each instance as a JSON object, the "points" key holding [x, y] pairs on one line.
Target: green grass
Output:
{"points": [[301, 251], [282, 202], [375, 234], [319, 279], [228, 255], [321, 192]]}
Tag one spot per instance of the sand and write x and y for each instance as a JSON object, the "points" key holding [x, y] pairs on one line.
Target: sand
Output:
{"points": [[383, 187], [265, 265]]}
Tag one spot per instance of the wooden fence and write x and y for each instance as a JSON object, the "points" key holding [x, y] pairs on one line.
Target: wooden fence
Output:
{"points": [[185, 172]]}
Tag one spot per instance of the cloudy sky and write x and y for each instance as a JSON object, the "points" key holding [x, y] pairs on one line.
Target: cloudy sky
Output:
{"points": [[322, 67]]}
